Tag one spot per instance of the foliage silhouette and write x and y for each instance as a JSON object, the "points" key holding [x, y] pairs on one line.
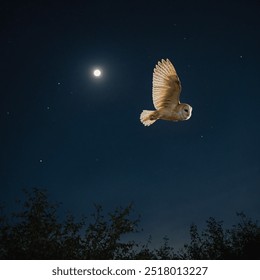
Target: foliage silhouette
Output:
{"points": [[242, 241], [36, 232]]}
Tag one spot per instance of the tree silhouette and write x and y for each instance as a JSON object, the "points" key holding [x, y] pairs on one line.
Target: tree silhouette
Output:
{"points": [[37, 232], [242, 241]]}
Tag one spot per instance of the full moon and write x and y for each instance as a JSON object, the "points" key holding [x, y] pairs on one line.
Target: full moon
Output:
{"points": [[97, 73]]}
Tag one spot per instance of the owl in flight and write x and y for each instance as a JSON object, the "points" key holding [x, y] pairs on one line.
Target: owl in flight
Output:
{"points": [[166, 96]]}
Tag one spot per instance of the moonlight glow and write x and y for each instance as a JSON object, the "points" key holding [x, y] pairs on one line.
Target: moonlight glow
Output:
{"points": [[97, 73]]}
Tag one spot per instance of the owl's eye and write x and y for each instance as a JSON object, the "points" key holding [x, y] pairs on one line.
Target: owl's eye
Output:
{"points": [[186, 110]]}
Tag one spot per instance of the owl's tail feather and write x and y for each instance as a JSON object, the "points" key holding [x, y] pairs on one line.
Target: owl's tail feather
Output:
{"points": [[148, 117]]}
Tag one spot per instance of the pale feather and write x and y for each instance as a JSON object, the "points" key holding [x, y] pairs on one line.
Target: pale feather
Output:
{"points": [[166, 86]]}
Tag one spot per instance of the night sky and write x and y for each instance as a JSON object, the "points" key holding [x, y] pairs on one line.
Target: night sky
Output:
{"points": [[80, 137]]}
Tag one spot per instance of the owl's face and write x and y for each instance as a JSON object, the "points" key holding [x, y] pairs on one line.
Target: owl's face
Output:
{"points": [[185, 111]]}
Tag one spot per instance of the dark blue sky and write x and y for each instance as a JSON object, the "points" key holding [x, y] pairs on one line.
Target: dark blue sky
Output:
{"points": [[81, 138]]}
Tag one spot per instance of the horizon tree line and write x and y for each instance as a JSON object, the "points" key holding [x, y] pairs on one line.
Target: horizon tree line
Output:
{"points": [[37, 232]]}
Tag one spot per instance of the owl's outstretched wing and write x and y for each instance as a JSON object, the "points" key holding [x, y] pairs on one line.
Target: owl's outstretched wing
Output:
{"points": [[166, 85]]}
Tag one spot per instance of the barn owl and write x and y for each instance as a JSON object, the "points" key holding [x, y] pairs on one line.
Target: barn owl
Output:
{"points": [[166, 94]]}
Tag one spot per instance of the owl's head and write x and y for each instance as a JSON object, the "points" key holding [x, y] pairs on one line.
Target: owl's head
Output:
{"points": [[185, 111]]}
